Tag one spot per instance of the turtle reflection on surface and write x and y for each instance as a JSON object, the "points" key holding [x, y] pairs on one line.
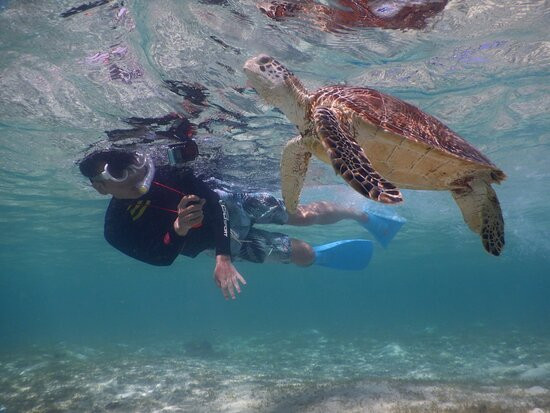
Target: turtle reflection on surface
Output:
{"points": [[348, 14]]}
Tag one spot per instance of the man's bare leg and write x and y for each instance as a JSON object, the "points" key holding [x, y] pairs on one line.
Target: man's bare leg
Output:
{"points": [[324, 213], [302, 253], [321, 213]]}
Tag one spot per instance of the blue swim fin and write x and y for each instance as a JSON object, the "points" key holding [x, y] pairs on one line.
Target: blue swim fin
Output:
{"points": [[351, 254], [383, 225]]}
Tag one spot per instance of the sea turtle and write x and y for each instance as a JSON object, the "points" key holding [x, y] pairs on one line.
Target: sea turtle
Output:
{"points": [[377, 143], [388, 14]]}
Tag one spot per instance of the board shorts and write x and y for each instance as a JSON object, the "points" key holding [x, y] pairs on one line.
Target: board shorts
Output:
{"points": [[254, 244]]}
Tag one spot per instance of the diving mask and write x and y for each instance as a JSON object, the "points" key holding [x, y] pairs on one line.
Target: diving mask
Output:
{"points": [[107, 176], [142, 161]]}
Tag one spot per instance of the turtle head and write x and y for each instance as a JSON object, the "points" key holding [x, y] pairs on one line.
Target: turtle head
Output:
{"points": [[276, 85]]}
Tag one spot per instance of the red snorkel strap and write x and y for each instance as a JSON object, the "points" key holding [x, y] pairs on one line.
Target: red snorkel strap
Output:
{"points": [[164, 209], [173, 190], [168, 187]]}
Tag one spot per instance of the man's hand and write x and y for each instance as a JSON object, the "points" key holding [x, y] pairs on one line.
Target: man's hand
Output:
{"points": [[189, 214], [227, 277]]}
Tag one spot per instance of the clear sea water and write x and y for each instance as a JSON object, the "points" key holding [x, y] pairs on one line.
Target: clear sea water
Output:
{"points": [[433, 324]]}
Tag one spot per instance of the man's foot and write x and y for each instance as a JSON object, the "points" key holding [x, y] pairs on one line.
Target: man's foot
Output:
{"points": [[353, 254], [383, 225]]}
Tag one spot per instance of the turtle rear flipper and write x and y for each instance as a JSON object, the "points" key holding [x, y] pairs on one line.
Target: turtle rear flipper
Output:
{"points": [[349, 160], [294, 164], [480, 208]]}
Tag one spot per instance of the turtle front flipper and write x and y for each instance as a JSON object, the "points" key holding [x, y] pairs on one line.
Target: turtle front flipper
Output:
{"points": [[349, 160], [294, 164], [480, 208]]}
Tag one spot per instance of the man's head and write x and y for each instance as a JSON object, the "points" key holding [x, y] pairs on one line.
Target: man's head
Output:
{"points": [[117, 172]]}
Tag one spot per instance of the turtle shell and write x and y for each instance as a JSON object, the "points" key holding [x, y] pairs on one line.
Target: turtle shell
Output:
{"points": [[407, 146]]}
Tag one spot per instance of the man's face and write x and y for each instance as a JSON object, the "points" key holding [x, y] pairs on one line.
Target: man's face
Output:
{"points": [[128, 189]]}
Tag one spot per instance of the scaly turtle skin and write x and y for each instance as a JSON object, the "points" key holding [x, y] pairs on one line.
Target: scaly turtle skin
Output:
{"points": [[378, 143], [358, 13]]}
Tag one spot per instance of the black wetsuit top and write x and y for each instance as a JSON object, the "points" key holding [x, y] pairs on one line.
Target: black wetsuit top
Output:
{"points": [[143, 228]]}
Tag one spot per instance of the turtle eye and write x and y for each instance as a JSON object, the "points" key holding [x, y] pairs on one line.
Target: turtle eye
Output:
{"points": [[264, 59]]}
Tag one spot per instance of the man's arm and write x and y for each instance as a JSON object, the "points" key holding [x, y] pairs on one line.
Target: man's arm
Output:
{"points": [[226, 275], [217, 216], [190, 214]]}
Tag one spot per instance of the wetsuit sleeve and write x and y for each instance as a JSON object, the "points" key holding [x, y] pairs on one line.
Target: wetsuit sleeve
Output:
{"points": [[215, 213], [146, 240]]}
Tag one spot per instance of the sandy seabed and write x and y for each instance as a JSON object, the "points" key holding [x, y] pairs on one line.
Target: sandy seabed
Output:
{"points": [[265, 375]]}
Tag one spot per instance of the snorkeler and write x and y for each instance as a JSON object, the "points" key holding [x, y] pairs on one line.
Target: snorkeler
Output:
{"points": [[158, 212]]}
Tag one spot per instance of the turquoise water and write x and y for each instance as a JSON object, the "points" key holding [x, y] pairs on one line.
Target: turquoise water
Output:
{"points": [[433, 324]]}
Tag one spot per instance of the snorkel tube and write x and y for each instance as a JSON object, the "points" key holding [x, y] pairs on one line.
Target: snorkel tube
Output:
{"points": [[144, 185]]}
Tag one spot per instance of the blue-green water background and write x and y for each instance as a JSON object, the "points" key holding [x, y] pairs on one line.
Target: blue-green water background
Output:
{"points": [[481, 67]]}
